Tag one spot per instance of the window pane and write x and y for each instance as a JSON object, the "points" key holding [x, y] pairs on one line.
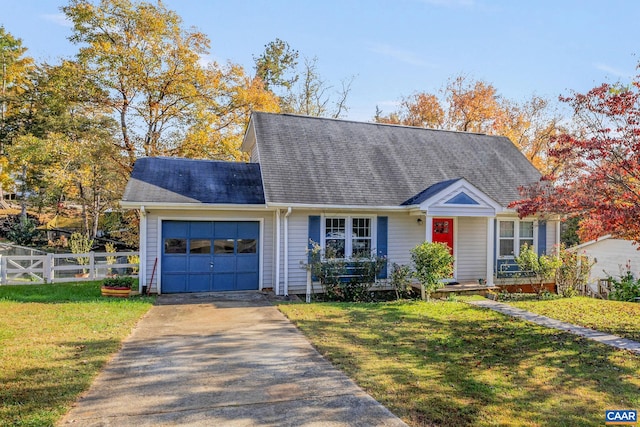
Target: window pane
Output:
{"points": [[526, 230], [247, 246], [335, 228], [506, 247], [334, 248], [223, 246], [200, 246], [361, 227], [361, 248], [175, 246], [506, 229], [441, 227]]}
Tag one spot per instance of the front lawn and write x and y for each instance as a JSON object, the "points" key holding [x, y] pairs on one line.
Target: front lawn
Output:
{"points": [[53, 341], [614, 317], [451, 364]]}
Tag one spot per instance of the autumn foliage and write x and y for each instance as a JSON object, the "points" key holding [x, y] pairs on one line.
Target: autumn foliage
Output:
{"points": [[600, 178]]}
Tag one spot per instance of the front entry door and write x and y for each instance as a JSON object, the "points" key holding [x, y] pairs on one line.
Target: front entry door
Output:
{"points": [[443, 232]]}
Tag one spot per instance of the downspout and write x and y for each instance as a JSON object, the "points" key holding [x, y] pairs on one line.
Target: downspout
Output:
{"points": [[142, 267], [277, 287], [286, 252]]}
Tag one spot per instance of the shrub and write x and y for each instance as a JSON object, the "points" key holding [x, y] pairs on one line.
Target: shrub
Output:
{"points": [[573, 274], [542, 268], [344, 279], [23, 230], [625, 289], [119, 282], [432, 262], [400, 279]]}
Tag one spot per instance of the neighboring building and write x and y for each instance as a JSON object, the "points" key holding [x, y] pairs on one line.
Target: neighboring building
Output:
{"points": [[358, 188], [612, 257]]}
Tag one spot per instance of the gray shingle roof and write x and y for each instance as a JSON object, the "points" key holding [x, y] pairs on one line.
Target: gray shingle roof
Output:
{"points": [[315, 160], [175, 180]]}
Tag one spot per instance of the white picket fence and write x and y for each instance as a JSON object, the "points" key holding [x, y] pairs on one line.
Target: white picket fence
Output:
{"points": [[58, 268]]}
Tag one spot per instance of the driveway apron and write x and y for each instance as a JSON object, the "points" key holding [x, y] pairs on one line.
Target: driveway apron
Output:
{"points": [[227, 359]]}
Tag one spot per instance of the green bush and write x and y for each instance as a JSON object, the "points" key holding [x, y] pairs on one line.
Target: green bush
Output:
{"points": [[348, 280], [23, 231], [625, 289], [573, 274], [119, 282], [432, 262], [540, 268], [400, 280]]}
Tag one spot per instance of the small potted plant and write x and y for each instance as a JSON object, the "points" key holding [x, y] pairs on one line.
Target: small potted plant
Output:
{"points": [[117, 287]]}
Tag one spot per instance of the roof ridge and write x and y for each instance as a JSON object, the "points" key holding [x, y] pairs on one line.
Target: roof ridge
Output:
{"points": [[334, 119]]}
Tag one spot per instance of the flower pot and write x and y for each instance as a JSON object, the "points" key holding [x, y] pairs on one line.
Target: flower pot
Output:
{"points": [[115, 291]]}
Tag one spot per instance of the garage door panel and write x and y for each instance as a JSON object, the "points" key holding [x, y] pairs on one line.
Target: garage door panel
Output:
{"points": [[201, 229], [247, 263], [225, 282], [246, 281], [224, 264], [172, 283], [248, 230], [200, 264], [175, 229], [199, 282], [175, 264], [224, 229]]}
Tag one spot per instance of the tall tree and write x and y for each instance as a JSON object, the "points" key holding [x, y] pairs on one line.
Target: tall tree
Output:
{"points": [[68, 152], [300, 89], [600, 180], [15, 69], [476, 106], [149, 68]]}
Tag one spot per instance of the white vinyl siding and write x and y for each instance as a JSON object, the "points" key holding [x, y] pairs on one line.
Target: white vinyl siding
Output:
{"points": [[298, 241], [552, 227], [471, 249], [405, 233]]}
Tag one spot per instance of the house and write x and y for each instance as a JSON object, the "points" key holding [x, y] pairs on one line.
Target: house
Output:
{"points": [[612, 257], [357, 188]]}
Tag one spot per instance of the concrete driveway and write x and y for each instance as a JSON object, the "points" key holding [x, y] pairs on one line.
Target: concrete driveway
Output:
{"points": [[228, 359]]}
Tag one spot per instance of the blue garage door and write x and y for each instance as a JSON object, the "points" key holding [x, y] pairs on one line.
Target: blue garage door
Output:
{"points": [[204, 256]]}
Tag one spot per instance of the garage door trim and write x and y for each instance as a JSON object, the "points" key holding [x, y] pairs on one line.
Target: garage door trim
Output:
{"points": [[159, 248]]}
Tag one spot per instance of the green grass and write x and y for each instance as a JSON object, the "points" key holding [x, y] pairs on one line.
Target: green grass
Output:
{"points": [[54, 339], [615, 317], [452, 364]]}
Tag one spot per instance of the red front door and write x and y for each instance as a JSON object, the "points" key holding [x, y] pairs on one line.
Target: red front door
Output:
{"points": [[443, 232]]}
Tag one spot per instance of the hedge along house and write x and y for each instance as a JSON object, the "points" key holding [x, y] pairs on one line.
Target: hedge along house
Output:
{"points": [[357, 188]]}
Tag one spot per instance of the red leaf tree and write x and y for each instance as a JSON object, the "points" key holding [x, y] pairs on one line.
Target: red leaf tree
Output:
{"points": [[598, 178]]}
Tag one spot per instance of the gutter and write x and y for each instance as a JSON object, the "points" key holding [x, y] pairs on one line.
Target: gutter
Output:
{"points": [[277, 284], [142, 268], [286, 251]]}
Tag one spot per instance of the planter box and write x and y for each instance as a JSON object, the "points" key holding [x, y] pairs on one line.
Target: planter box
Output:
{"points": [[118, 292]]}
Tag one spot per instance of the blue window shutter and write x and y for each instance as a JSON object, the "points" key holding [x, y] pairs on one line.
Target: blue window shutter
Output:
{"points": [[314, 234], [542, 237], [495, 246], [382, 243]]}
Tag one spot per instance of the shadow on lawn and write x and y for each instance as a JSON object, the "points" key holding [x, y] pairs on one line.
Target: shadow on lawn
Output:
{"points": [[39, 395], [452, 364]]}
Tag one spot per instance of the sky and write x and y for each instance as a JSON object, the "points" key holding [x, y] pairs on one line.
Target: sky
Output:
{"points": [[395, 48]]}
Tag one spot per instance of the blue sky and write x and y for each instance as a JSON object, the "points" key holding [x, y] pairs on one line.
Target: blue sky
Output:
{"points": [[395, 48]]}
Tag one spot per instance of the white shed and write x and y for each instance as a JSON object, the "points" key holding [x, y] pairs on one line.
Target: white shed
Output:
{"points": [[612, 257]]}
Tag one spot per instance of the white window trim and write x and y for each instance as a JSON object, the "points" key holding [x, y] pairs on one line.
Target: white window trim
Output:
{"points": [[516, 236], [348, 244]]}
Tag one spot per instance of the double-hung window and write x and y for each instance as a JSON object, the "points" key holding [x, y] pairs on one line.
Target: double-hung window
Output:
{"points": [[512, 235], [348, 237]]}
